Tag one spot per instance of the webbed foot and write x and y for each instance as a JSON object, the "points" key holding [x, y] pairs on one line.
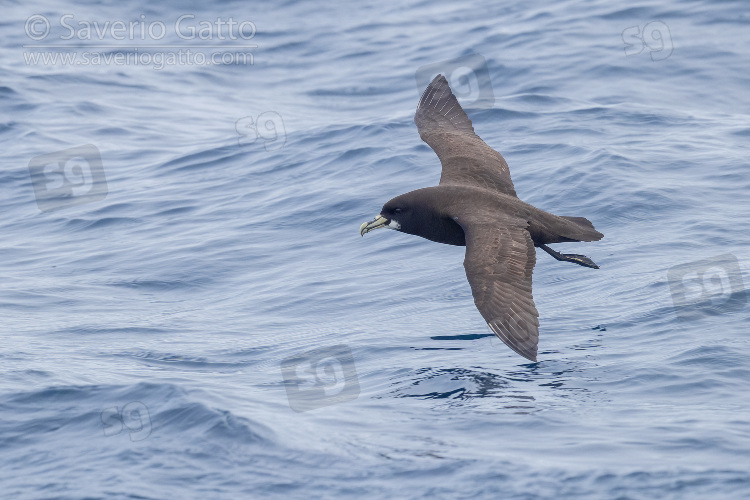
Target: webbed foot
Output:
{"points": [[581, 260]]}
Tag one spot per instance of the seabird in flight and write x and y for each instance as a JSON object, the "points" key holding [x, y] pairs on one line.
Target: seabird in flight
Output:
{"points": [[475, 205]]}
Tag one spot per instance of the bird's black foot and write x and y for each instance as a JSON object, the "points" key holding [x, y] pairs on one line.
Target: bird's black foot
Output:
{"points": [[581, 260]]}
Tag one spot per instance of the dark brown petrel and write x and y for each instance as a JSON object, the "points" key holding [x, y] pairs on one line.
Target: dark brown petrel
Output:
{"points": [[476, 205]]}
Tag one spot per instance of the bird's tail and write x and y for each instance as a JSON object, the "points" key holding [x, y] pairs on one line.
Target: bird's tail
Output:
{"points": [[581, 229]]}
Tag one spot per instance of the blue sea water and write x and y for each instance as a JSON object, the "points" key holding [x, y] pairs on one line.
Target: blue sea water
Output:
{"points": [[188, 310]]}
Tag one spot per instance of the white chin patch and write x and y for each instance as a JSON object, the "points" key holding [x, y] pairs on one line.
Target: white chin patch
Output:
{"points": [[393, 224]]}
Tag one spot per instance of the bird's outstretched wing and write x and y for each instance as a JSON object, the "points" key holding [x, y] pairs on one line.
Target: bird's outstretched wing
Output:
{"points": [[499, 261], [466, 158]]}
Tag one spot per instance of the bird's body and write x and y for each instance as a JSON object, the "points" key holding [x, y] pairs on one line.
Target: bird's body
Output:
{"points": [[448, 203], [476, 205]]}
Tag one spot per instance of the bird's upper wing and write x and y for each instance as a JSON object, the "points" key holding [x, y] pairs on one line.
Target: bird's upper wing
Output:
{"points": [[465, 157], [499, 261]]}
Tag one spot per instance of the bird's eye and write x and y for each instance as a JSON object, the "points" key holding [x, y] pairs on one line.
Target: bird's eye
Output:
{"points": [[396, 210]]}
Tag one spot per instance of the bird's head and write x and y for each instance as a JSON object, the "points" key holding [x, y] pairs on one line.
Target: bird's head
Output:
{"points": [[420, 213], [397, 214]]}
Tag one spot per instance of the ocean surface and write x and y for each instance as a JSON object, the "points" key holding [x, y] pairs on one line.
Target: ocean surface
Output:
{"points": [[188, 310]]}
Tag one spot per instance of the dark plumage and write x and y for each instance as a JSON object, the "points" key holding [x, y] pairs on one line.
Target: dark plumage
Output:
{"points": [[476, 205]]}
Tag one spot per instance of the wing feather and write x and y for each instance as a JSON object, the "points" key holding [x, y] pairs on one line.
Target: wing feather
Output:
{"points": [[499, 263], [465, 157]]}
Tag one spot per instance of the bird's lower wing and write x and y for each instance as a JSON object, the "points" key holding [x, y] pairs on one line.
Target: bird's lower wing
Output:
{"points": [[500, 258]]}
